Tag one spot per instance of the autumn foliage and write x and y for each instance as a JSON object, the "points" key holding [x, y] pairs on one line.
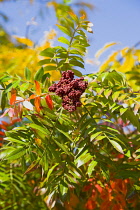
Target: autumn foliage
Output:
{"points": [[69, 141]]}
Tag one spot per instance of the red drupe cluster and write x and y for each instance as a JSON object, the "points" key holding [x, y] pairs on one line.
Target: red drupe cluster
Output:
{"points": [[70, 90]]}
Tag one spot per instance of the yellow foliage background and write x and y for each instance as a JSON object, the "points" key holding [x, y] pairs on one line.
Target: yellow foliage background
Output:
{"points": [[14, 59]]}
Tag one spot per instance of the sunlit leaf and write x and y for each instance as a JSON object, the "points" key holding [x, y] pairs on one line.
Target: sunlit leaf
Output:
{"points": [[64, 40], [117, 146], [38, 88], [91, 167], [15, 140], [37, 104], [64, 29]]}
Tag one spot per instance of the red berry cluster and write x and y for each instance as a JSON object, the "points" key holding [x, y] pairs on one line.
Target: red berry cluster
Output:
{"points": [[70, 90]]}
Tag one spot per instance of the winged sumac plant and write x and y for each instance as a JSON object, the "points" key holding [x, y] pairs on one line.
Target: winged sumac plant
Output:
{"points": [[75, 141]]}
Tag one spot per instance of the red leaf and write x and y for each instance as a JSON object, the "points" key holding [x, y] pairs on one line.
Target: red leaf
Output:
{"points": [[4, 123], [91, 204], [38, 88], [13, 97], [49, 101], [3, 127], [15, 120], [2, 133], [37, 104], [99, 188]]}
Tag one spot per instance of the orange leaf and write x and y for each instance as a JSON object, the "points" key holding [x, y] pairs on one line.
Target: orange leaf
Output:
{"points": [[13, 97], [3, 127], [15, 120], [37, 104], [4, 123], [90, 205], [116, 207], [49, 101], [32, 96], [38, 88], [38, 141]]}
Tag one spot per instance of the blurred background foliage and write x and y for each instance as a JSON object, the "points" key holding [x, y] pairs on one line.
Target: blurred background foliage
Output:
{"points": [[16, 53]]}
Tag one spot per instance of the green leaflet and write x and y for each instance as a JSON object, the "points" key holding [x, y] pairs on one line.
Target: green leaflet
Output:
{"points": [[16, 154], [64, 29], [83, 158], [27, 73], [74, 62], [117, 146], [15, 140], [50, 68], [24, 87], [77, 73], [41, 129], [3, 100], [50, 171], [64, 40], [63, 188], [39, 74], [105, 170], [48, 52], [62, 147], [46, 61], [12, 85], [91, 167], [65, 134]]}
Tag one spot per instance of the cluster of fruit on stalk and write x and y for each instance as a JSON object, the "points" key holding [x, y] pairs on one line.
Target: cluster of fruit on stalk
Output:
{"points": [[70, 90]]}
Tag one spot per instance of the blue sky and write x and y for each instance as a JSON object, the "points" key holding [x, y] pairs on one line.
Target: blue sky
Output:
{"points": [[114, 20]]}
